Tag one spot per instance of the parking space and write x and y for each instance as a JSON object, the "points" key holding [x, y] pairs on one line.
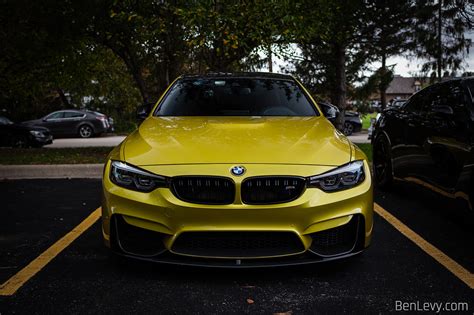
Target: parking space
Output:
{"points": [[84, 278]]}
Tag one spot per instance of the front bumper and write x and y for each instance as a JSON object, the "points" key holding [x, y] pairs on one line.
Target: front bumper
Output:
{"points": [[340, 222], [40, 141]]}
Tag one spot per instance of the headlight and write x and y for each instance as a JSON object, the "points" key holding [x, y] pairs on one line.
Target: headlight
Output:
{"points": [[343, 177], [37, 133], [133, 178]]}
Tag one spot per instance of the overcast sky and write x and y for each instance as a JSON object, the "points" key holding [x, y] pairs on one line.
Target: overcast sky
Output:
{"points": [[404, 66]]}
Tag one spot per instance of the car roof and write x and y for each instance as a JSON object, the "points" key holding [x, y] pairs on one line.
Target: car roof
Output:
{"points": [[252, 75]]}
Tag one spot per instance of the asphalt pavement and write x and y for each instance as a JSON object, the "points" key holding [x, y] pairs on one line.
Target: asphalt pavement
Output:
{"points": [[85, 278]]}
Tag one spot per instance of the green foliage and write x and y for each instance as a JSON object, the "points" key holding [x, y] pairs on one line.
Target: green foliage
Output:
{"points": [[367, 149], [111, 55], [444, 50]]}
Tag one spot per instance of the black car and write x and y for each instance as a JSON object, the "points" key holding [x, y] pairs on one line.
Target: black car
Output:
{"points": [[84, 124], [17, 135], [398, 103], [429, 140], [352, 120]]}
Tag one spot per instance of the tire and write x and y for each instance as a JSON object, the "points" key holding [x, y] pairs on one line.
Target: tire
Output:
{"points": [[85, 131], [348, 128], [20, 142], [382, 163]]}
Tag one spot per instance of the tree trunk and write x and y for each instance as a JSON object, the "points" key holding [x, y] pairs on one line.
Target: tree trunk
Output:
{"points": [[137, 76], [270, 59], [383, 85], [132, 66], [63, 98], [440, 43], [340, 83]]}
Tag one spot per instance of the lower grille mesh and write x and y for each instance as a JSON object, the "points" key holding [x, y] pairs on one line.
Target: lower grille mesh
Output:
{"points": [[237, 244], [336, 241], [136, 241]]}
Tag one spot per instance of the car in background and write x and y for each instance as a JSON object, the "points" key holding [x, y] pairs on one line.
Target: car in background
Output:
{"points": [[370, 130], [429, 141], [375, 105], [398, 103], [352, 120], [21, 136], [82, 123]]}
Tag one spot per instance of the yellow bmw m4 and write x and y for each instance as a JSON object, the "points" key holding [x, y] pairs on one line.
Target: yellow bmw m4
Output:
{"points": [[237, 170]]}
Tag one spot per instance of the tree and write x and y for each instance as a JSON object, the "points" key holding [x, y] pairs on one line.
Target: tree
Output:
{"points": [[148, 36], [225, 35], [390, 35], [334, 47], [439, 33]]}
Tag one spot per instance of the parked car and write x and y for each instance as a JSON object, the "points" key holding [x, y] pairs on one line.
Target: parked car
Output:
{"points": [[236, 170], [18, 135], [352, 120], [84, 124], [398, 103], [429, 140], [375, 105], [373, 121]]}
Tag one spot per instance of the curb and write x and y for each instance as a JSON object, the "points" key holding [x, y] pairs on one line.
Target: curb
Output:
{"points": [[51, 171]]}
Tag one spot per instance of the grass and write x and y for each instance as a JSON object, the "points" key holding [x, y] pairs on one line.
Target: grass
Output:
{"points": [[367, 148], [13, 156], [366, 120]]}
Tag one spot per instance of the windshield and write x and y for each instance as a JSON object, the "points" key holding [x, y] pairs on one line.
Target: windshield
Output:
{"points": [[470, 85], [235, 97]]}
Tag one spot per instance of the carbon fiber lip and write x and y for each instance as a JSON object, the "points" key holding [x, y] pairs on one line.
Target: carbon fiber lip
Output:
{"points": [[247, 263]]}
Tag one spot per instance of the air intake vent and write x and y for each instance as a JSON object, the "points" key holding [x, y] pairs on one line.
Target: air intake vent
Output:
{"points": [[237, 244], [339, 240], [269, 190], [204, 189]]}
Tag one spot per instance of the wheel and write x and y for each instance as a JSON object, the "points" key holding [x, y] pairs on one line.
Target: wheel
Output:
{"points": [[20, 142], [85, 131], [348, 128], [382, 163]]}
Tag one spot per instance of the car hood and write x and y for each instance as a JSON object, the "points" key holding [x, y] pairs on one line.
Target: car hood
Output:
{"points": [[28, 127], [281, 140], [32, 122]]}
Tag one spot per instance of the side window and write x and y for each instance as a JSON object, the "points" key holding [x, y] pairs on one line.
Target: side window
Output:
{"points": [[55, 115], [449, 94], [73, 114], [434, 96], [456, 98], [415, 103]]}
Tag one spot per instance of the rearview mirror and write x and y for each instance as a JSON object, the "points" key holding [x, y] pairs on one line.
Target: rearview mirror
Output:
{"points": [[144, 110], [442, 109]]}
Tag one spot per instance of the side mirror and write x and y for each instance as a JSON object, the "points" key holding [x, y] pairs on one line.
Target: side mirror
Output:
{"points": [[442, 109], [143, 111], [330, 112]]}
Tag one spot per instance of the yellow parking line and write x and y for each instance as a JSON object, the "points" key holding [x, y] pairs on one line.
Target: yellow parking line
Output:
{"points": [[25, 274], [459, 271]]}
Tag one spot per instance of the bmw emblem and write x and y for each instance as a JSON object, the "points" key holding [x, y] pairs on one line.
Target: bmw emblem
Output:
{"points": [[237, 170]]}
